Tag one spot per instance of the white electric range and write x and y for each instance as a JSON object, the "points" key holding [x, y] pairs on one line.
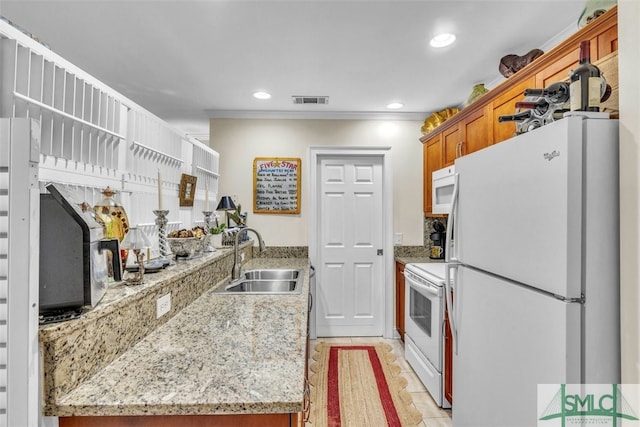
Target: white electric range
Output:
{"points": [[424, 325]]}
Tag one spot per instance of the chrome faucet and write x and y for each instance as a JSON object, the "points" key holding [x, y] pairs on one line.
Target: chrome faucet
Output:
{"points": [[235, 272]]}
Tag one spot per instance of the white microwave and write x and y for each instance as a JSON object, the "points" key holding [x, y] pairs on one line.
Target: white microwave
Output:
{"points": [[443, 181]]}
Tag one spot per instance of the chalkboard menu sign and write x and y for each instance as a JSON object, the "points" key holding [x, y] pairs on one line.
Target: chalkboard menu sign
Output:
{"points": [[276, 185]]}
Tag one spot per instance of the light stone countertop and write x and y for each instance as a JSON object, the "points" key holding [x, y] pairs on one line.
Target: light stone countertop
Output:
{"points": [[222, 354]]}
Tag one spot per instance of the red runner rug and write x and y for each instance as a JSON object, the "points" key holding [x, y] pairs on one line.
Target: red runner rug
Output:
{"points": [[359, 385]]}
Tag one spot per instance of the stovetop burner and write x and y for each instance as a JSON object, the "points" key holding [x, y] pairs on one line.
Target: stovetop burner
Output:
{"points": [[56, 316]]}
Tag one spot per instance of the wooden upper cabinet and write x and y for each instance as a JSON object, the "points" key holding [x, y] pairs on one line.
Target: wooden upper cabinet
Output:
{"points": [[607, 42], [504, 105], [477, 126], [451, 145], [559, 70], [472, 134], [476, 132], [432, 161]]}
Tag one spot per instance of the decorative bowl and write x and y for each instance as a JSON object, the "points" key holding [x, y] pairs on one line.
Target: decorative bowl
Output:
{"points": [[187, 247]]}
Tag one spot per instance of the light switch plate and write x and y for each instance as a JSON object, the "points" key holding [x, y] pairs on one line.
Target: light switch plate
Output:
{"points": [[397, 238], [163, 305]]}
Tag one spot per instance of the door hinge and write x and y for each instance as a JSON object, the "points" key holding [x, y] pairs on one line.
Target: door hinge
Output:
{"points": [[380, 252]]}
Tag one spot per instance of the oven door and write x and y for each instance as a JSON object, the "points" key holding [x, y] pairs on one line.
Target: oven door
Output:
{"points": [[424, 316]]}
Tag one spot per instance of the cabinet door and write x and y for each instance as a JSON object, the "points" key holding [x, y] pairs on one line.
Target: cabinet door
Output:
{"points": [[451, 145], [559, 70], [505, 105], [475, 132], [400, 299], [432, 161], [607, 42]]}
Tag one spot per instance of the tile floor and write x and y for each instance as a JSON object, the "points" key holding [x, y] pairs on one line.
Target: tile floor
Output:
{"points": [[432, 415]]}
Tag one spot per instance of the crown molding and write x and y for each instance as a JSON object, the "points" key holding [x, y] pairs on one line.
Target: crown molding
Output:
{"points": [[319, 115]]}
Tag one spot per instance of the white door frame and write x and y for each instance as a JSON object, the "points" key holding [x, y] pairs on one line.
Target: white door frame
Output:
{"points": [[387, 206]]}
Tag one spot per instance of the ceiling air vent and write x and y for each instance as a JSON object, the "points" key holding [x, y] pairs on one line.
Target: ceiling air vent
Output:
{"points": [[310, 100]]}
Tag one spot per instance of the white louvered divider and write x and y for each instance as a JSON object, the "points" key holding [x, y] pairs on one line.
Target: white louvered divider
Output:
{"points": [[205, 163], [19, 259], [4, 267], [91, 137]]}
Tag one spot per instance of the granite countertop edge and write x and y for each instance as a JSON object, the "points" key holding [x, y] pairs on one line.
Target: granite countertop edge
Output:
{"points": [[416, 259]]}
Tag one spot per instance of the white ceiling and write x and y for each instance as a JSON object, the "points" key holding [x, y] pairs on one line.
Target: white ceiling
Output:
{"points": [[187, 61]]}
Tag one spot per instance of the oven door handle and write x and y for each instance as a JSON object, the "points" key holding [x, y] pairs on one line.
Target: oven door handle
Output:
{"points": [[419, 286]]}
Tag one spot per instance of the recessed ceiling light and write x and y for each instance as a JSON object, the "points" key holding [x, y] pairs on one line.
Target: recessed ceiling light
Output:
{"points": [[394, 106], [442, 40], [262, 95]]}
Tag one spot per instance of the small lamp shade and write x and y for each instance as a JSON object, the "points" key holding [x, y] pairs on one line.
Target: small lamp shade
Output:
{"points": [[226, 204], [135, 239]]}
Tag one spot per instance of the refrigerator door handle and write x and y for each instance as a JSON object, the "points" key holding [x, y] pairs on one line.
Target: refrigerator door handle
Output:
{"points": [[449, 302], [449, 256]]}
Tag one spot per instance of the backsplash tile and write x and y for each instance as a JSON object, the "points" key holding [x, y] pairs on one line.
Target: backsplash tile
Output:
{"points": [[282, 252], [428, 229], [410, 251]]}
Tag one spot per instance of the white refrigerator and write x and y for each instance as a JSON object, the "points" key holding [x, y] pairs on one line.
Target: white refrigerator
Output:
{"points": [[535, 262]]}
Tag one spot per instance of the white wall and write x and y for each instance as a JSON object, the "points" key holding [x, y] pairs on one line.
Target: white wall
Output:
{"points": [[629, 63], [239, 141]]}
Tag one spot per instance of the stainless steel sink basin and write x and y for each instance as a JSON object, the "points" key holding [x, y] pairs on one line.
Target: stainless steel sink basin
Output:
{"points": [[265, 281], [263, 286], [282, 274]]}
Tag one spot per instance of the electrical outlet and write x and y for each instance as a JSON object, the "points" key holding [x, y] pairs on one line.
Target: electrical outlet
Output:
{"points": [[163, 305]]}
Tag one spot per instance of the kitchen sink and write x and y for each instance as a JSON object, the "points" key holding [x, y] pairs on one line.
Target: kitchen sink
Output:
{"points": [[264, 281], [283, 274], [263, 286]]}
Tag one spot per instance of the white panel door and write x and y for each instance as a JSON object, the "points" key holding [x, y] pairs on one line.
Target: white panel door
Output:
{"points": [[350, 286]]}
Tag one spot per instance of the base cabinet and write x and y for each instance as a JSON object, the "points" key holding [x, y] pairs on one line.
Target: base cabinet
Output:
{"points": [[400, 299], [245, 420], [448, 359]]}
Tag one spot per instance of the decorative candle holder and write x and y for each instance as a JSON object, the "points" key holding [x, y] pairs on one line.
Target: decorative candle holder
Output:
{"points": [[208, 225], [161, 222], [207, 219], [136, 240]]}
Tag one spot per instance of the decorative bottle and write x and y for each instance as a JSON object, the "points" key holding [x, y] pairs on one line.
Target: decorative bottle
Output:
{"points": [[556, 93], [540, 107], [586, 83], [526, 121], [518, 117], [113, 218]]}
